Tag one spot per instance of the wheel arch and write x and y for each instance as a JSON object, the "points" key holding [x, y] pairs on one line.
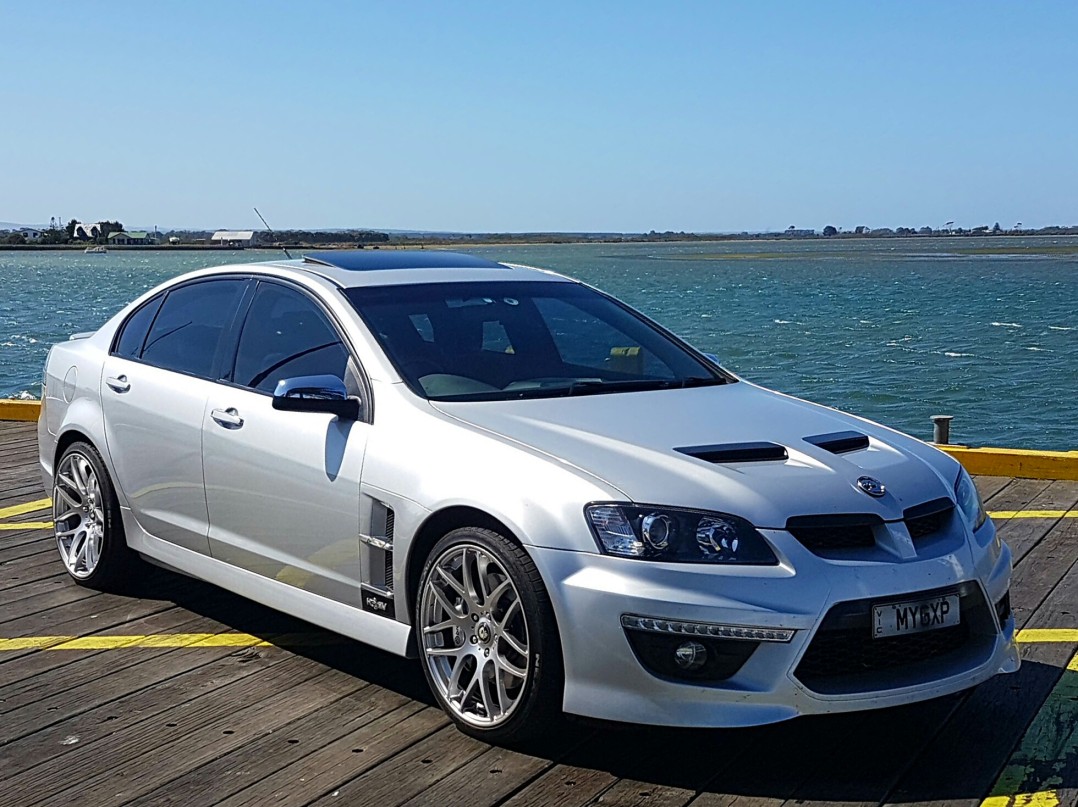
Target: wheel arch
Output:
{"points": [[434, 527], [67, 438]]}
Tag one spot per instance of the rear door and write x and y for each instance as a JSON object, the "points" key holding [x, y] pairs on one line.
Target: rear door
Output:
{"points": [[154, 389], [283, 487]]}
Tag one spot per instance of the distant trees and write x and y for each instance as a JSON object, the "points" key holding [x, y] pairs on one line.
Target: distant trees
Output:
{"points": [[829, 231], [70, 229]]}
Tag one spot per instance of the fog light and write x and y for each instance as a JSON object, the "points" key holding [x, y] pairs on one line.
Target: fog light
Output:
{"points": [[690, 656]]}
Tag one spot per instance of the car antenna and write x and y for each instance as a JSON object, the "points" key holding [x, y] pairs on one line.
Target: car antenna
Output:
{"points": [[271, 231]]}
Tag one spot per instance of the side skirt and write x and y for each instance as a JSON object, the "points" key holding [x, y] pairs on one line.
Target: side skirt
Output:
{"points": [[385, 634]]}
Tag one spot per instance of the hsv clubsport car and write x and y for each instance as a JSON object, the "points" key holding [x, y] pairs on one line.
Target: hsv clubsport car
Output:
{"points": [[553, 502]]}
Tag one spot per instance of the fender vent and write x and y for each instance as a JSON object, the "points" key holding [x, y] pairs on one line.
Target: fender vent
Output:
{"points": [[388, 579], [735, 452], [839, 442]]}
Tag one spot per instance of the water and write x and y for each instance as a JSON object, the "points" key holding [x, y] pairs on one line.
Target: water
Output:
{"points": [[894, 330]]}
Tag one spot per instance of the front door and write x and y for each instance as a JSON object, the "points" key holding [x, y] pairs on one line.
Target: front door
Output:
{"points": [[283, 487]]}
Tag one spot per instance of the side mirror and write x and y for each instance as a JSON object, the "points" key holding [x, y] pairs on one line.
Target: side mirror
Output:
{"points": [[315, 393]]}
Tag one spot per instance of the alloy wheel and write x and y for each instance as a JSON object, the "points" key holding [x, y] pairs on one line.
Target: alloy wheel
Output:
{"points": [[79, 515], [474, 635]]}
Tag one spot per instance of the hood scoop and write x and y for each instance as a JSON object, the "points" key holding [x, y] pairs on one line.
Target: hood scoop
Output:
{"points": [[839, 442], [735, 452]]}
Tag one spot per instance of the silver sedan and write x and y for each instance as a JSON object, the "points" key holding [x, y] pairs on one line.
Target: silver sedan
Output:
{"points": [[553, 502]]}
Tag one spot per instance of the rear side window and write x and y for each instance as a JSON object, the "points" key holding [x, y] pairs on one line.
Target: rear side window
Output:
{"points": [[286, 335], [188, 328], [133, 331]]}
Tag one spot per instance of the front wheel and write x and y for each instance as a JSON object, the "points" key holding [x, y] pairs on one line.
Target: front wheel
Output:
{"points": [[488, 638], [86, 514]]}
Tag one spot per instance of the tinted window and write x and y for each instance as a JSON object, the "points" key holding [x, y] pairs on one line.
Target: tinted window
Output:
{"points": [[501, 340], [188, 328], [285, 336], [133, 332]]}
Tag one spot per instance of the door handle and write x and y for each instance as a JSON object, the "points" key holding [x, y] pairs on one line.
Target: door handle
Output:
{"points": [[229, 418], [118, 384]]}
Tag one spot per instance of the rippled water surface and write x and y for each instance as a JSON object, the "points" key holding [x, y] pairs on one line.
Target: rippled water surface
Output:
{"points": [[894, 330]]}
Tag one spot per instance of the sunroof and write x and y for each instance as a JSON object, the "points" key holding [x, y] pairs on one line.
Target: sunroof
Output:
{"points": [[364, 260]]}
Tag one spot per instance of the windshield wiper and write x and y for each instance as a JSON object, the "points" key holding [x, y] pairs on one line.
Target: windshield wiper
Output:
{"points": [[594, 387]]}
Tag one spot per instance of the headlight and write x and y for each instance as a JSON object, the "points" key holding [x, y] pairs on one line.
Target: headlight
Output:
{"points": [[676, 535], [969, 500]]}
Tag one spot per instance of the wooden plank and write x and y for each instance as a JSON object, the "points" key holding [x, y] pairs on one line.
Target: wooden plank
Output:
{"points": [[26, 672], [158, 763], [186, 732], [989, 486], [29, 548], [1018, 494], [206, 785], [1022, 534], [1043, 568], [341, 761], [409, 773], [216, 670], [486, 780]]}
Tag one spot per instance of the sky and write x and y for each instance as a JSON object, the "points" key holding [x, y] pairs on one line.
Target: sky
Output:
{"points": [[524, 116]]}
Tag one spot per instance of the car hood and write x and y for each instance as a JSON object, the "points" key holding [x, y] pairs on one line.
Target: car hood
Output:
{"points": [[631, 441]]}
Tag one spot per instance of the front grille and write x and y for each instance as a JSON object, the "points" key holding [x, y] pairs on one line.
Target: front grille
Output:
{"points": [[824, 534], [844, 656], [928, 518], [821, 534], [854, 651]]}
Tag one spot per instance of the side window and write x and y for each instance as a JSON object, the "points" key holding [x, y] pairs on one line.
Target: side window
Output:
{"points": [[188, 328], [132, 333], [286, 335]]}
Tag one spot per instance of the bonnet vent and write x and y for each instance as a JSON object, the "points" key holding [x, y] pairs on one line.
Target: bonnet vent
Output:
{"points": [[839, 442], [736, 452]]}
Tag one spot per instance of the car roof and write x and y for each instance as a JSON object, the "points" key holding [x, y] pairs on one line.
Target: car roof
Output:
{"points": [[349, 268]]}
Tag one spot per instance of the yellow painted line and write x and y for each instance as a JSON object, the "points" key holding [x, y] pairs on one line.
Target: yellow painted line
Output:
{"points": [[25, 507], [1033, 513], [103, 642], [1038, 635], [1045, 798], [1049, 746], [26, 525]]}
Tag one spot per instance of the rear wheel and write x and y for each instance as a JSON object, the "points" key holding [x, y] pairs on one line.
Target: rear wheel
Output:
{"points": [[89, 530], [488, 638]]}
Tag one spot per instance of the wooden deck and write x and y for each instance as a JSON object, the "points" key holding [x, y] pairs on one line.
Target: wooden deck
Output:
{"points": [[231, 720]]}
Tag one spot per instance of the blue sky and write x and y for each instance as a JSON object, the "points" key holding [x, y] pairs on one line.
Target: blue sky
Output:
{"points": [[624, 116]]}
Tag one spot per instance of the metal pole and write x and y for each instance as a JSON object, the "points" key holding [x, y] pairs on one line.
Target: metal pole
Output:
{"points": [[941, 429]]}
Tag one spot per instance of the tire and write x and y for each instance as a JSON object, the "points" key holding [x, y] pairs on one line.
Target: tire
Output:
{"points": [[473, 662], [89, 529]]}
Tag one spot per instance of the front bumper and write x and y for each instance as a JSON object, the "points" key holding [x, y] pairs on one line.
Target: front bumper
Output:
{"points": [[604, 678]]}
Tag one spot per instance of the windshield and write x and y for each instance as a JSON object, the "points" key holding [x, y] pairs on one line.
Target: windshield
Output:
{"points": [[507, 340]]}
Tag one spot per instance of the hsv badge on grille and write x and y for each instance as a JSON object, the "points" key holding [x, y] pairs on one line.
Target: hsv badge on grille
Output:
{"points": [[873, 487]]}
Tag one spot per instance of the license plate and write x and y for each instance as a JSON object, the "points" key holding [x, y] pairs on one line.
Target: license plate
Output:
{"points": [[900, 618]]}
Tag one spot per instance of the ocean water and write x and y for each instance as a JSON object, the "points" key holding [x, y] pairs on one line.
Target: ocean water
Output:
{"points": [[894, 330]]}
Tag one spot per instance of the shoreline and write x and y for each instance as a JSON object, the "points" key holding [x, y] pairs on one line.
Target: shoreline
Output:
{"points": [[524, 241]]}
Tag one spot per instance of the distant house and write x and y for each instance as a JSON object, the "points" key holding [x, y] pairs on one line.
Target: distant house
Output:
{"points": [[87, 232], [133, 238], [29, 233], [233, 238]]}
